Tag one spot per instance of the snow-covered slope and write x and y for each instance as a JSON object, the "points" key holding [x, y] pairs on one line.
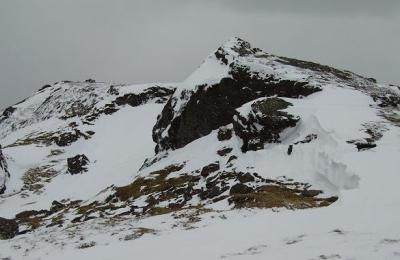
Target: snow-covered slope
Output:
{"points": [[252, 156], [4, 174]]}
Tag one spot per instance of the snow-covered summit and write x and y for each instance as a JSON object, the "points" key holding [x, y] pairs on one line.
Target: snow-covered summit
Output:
{"points": [[256, 155]]}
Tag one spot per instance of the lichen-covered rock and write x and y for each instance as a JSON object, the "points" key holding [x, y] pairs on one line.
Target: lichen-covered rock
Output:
{"points": [[8, 228], [262, 122], [77, 164]]}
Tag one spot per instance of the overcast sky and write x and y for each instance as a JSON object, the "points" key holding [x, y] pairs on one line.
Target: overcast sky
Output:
{"points": [[128, 41]]}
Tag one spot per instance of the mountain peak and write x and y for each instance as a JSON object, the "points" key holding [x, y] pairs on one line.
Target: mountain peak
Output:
{"points": [[247, 130]]}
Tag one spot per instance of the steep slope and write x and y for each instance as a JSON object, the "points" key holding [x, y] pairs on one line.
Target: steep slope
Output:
{"points": [[256, 155], [103, 122]]}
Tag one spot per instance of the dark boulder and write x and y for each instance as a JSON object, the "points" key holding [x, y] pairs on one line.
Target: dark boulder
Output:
{"points": [[8, 228], [224, 151], [245, 177], [290, 149], [77, 164], [240, 188], [207, 170], [269, 115]]}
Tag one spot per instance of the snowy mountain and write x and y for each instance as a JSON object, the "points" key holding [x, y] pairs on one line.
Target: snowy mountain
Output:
{"points": [[252, 156]]}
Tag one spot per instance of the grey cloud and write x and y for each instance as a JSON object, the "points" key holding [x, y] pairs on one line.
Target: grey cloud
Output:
{"points": [[320, 7]]}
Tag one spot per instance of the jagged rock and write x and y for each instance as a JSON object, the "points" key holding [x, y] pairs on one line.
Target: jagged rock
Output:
{"points": [[113, 91], [77, 164], [207, 170], [151, 93], [8, 228], [263, 123], [224, 134], [214, 106]]}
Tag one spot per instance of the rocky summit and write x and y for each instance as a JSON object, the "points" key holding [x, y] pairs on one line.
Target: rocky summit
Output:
{"points": [[253, 155]]}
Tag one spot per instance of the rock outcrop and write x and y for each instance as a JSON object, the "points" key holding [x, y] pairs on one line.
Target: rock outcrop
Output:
{"points": [[77, 164], [262, 122]]}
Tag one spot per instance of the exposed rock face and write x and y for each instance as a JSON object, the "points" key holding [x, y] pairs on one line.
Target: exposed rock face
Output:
{"points": [[8, 228], [4, 174], [263, 123], [193, 113], [159, 93], [214, 106], [77, 164]]}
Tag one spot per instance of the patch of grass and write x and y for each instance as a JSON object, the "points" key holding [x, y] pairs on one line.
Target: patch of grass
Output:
{"points": [[271, 196], [156, 182], [154, 211]]}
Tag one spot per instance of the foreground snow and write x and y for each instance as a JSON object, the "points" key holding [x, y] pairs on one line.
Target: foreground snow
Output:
{"points": [[361, 225]]}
